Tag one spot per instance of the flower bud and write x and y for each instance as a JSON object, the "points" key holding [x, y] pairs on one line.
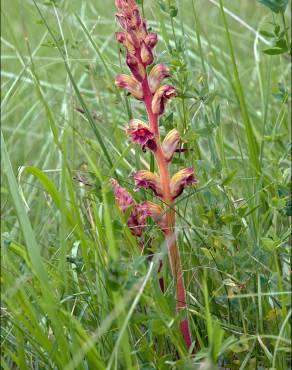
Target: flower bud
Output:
{"points": [[126, 39], [131, 84], [151, 39], [146, 55], [119, 4], [170, 144], [121, 37], [160, 98], [125, 5], [157, 74], [136, 67], [180, 180], [147, 179], [136, 19], [122, 20], [140, 133]]}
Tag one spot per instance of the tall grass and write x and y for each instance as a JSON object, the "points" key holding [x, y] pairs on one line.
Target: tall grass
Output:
{"points": [[76, 291]]}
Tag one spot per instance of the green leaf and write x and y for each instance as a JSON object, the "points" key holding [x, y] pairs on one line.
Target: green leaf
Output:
{"points": [[274, 51], [158, 327], [28, 233], [266, 33], [173, 11], [281, 43], [276, 6], [217, 337], [269, 244]]}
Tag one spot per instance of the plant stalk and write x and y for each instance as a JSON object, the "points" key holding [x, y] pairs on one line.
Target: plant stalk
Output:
{"points": [[173, 250]]}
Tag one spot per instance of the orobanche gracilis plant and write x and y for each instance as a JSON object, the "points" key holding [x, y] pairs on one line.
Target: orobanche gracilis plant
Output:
{"points": [[146, 87]]}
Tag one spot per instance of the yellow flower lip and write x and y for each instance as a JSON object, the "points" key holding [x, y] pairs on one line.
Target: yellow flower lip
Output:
{"points": [[146, 54], [170, 144], [156, 213], [162, 95], [129, 83], [180, 180], [157, 74]]}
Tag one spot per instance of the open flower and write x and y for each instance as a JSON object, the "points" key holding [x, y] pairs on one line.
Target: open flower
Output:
{"points": [[148, 180], [180, 180], [125, 39], [157, 214], [140, 212], [131, 84], [137, 219], [170, 144], [158, 73], [161, 97], [141, 134]]}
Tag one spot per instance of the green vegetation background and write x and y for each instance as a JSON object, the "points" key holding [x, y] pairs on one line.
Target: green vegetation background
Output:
{"points": [[76, 291]]}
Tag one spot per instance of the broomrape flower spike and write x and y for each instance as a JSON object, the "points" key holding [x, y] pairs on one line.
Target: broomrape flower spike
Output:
{"points": [[146, 87]]}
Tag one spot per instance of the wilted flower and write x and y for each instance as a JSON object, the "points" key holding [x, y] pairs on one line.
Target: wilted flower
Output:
{"points": [[137, 219], [158, 215]]}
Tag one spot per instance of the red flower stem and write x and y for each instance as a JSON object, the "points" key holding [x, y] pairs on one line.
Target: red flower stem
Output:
{"points": [[170, 236]]}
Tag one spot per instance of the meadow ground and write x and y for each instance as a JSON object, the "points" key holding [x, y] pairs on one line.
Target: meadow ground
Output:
{"points": [[77, 293]]}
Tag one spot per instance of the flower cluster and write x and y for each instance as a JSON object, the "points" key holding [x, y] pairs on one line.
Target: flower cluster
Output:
{"points": [[139, 45], [139, 212]]}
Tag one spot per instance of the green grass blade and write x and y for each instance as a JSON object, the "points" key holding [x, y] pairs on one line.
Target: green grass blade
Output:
{"points": [[28, 233], [251, 139], [75, 87]]}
